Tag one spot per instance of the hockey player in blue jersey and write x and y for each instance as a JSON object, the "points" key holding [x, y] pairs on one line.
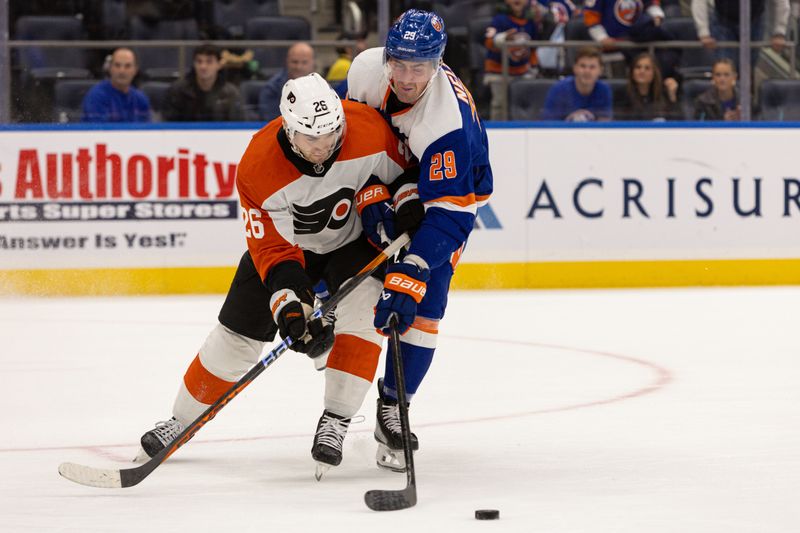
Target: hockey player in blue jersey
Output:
{"points": [[435, 115]]}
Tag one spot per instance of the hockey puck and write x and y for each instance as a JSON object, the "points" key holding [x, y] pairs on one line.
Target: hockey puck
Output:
{"points": [[487, 514]]}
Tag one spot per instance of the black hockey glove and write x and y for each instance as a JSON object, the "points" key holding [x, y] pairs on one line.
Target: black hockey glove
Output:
{"points": [[322, 343], [408, 210], [321, 340], [292, 305], [291, 314], [311, 337]]}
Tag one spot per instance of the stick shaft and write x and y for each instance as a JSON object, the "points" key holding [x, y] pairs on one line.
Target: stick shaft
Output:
{"points": [[400, 382], [272, 356], [129, 477]]}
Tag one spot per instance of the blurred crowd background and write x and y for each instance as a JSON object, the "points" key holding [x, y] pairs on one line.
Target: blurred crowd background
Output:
{"points": [[225, 60]]}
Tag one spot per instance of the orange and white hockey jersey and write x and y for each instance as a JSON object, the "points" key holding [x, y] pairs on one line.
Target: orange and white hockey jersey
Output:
{"points": [[288, 207]]}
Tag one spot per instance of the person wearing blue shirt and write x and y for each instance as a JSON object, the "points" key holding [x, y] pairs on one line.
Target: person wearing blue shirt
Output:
{"points": [[299, 62], [581, 97], [115, 99]]}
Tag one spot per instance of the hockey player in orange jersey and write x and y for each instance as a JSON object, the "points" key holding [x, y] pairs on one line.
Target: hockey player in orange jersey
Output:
{"points": [[306, 182]]}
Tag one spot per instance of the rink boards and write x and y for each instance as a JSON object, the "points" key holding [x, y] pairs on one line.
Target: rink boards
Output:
{"points": [[154, 209]]}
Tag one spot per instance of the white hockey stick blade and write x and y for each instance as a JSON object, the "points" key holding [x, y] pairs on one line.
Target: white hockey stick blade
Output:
{"points": [[91, 477]]}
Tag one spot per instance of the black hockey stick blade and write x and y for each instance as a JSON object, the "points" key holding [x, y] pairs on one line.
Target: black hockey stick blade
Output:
{"points": [[128, 477], [395, 500], [391, 500]]}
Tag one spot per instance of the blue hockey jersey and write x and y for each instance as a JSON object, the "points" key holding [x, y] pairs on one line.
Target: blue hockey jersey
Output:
{"points": [[515, 28], [444, 133], [614, 18]]}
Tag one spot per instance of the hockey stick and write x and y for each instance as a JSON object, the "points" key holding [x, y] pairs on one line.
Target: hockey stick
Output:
{"points": [[394, 500], [128, 477]]}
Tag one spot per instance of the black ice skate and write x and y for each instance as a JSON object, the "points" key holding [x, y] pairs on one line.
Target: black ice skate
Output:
{"points": [[327, 447], [389, 434], [158, 438]]}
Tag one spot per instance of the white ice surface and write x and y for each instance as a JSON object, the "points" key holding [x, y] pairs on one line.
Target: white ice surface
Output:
{"points": [[577, 411]]}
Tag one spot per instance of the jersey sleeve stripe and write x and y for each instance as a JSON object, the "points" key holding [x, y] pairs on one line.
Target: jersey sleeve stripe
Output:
{"points": [[591, 18], [473, 209], [460, 201], [427, 325]]}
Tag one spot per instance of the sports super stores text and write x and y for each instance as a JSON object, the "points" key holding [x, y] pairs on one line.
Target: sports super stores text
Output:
{"points": [[166, 198], [74, 185]]}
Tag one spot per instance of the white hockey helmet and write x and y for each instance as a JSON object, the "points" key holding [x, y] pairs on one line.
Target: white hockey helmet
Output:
{"points": [[310, 107]]}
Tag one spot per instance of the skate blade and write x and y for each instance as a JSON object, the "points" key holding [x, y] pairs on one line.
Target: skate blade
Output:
{"points": [[321, 469], [141, 456], [392, 460]]}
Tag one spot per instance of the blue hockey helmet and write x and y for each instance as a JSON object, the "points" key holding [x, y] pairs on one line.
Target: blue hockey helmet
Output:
{"points": [[417, 36]]}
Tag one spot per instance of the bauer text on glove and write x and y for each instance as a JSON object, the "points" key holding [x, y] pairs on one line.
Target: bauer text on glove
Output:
{"points": [[373, 204], [404, 287]]}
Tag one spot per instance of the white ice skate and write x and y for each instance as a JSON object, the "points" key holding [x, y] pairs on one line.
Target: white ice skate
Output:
{"points": [[388, 433]]}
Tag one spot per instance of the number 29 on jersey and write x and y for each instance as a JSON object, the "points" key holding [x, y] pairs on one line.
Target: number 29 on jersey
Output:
{"points": [[443, 165]]}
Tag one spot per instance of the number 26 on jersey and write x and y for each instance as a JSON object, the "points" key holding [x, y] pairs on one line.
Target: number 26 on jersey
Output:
{"points": [[254, 228], [443, 165]]}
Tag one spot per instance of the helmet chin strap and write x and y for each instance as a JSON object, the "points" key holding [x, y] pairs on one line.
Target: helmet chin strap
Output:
{"points": [[319, 168]]}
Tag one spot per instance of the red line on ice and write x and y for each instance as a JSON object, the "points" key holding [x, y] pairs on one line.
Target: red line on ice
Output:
{"points": [[662, 377]]}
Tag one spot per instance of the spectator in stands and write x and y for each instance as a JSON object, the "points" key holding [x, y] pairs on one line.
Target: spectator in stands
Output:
{"points": [[581, 97], [555, 14], [337, 73], [723, 24], [647, 97], [299, 62], [514, 21], [115, 99], [721, 100], [609, 21], [204, 95]]}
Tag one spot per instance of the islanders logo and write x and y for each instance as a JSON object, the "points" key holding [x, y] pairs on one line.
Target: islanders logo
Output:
{"points": [[436, 23], [627, 11]]}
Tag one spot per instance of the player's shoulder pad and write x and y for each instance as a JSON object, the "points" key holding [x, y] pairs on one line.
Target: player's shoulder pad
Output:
{"points": [[367, 132], [442, 115], [366, 69], [263, 140], [263, 161]]}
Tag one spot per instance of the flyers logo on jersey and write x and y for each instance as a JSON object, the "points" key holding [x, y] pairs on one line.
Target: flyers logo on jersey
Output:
{"points": [[331, 212]]}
